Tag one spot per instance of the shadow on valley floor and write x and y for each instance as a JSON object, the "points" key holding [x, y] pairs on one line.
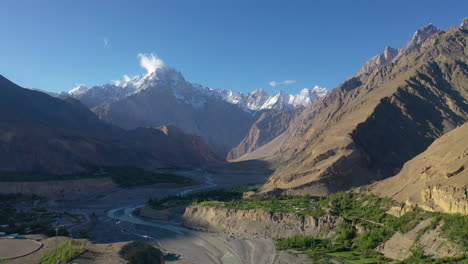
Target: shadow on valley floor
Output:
{"points": [[257, 166]]}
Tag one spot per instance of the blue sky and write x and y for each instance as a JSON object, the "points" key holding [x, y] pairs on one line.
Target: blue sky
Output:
{"points": [[238, 45]]}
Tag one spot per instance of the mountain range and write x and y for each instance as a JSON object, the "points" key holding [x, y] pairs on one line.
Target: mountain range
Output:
{"points": [[163, 97], [194, 94], [369, 126], [41, 133], [381, 125]]}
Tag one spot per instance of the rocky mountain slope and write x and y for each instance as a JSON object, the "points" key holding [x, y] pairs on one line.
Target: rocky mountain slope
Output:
{"points": [[369, 126], [42, 133], [164, 97], [268, 126], [437, 179]]}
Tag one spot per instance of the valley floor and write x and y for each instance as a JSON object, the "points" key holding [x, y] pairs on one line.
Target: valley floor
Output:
{"points": [[115, 222]]}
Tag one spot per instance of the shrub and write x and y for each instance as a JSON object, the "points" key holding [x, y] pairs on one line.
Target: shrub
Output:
{"points": [[344, 235], [371, 239], [66, 251]]}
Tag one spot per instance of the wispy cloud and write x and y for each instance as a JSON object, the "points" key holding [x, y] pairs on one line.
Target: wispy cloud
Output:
{"points": [[126, 78], [285, 82], [150, 62], [106, 42]]}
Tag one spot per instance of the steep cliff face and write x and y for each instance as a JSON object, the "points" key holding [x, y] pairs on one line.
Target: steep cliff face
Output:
{"points": [[266, 128], [258, 222], [437, 179], [368, 127]]}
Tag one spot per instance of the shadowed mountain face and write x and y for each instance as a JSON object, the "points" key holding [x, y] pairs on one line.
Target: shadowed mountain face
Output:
{"points": [[42, 133], [368, 127]]}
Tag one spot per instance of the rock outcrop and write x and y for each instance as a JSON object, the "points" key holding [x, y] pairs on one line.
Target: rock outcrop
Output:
{"points": [[258, 222]]}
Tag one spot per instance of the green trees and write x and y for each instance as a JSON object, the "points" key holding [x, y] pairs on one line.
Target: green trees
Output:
{"points": [[300, 242], [343, 238]]}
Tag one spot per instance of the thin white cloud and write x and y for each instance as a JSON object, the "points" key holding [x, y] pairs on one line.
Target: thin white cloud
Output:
{"points": [[150, 62], [127, 78], [106, 42], [285, 82]]}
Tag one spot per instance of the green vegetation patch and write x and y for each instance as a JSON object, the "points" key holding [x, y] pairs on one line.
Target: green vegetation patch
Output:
{"points": [[302, 243], [123, 176], [300, 205], [325, 250], [357, 209], [366, 211], [66, 251], [208, 198], [455, 228], [21, 214]]}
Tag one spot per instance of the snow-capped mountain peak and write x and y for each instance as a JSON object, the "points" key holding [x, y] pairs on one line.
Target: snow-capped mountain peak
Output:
{"points": [[168, 80], [308, 96], [256, 99], [79, 89]]}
